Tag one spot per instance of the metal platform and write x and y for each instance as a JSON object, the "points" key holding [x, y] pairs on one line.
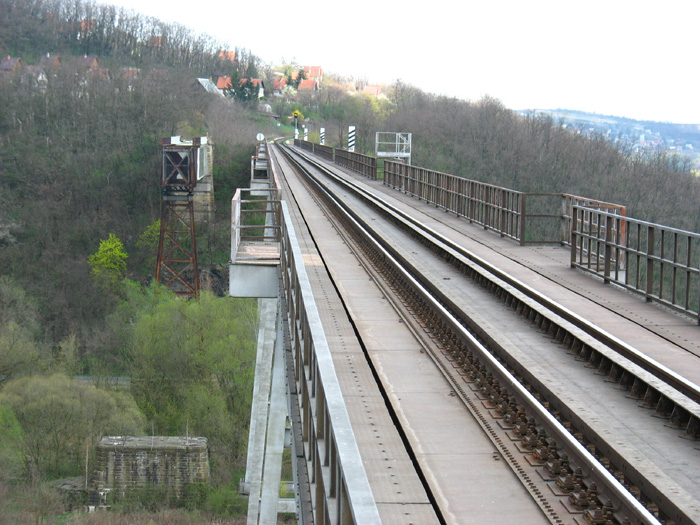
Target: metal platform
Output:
{"points": [[253, 271]]}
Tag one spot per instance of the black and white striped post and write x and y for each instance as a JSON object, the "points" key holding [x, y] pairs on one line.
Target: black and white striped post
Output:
{"points": [[351, 138], [306, 134], [296, 133], [323, 136]]}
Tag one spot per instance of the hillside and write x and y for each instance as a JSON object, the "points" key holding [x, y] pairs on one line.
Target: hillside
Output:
{"points": [[80, 159], [80, 154], [85, 96], [640, 135]]}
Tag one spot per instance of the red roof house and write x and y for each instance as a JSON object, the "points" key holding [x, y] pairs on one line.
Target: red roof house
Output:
{"points": [[309, 84], [10, 64], [314, 72], [223, 83]]}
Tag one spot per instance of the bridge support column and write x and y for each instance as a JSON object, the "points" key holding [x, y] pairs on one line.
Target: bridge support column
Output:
{"points": [[268, 422]]}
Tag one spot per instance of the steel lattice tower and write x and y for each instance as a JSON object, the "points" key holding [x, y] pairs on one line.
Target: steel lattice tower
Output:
{"points": [[177, 267]]}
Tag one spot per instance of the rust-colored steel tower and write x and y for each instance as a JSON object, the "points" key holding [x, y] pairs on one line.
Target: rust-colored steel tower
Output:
{"points": [[177, 248]]}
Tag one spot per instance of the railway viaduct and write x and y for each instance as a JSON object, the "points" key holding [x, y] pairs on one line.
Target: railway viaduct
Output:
{"points": [[437, 350]]}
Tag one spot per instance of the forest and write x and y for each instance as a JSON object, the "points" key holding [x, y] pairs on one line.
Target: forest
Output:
{"points": [[88, 348]]}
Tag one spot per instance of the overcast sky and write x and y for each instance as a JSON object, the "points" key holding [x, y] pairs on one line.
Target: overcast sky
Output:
{"points": [[631, 58]]}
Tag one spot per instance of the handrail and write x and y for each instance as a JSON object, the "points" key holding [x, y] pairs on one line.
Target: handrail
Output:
{"points": [[363, 164], [527, 218], [341, 491], [659, 262], [241, 217]]}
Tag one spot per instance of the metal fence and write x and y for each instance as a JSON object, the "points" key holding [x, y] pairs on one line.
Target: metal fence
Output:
{"points": [[304, 144], [362, 164], [659, 262], [528, 218]]}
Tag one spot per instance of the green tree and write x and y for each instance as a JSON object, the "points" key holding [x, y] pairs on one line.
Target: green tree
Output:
{"points": [[19, 353], [59, 415], [294, 78], [192, 369], [11, 457], [109, 263], [147, 248]]}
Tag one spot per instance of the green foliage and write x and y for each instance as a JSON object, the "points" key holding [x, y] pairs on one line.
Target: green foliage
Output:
{"points": [[58, 416], [226, 501], [15, 304], [155, 498], [11, 456], [146, 252], [109, 263], [66, 357], [194, 496], [19, 353], [192, 366]]}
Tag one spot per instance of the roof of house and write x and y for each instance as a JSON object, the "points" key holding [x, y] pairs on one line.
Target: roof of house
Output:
{"points": [[227, 55], [10, 64], [129, 73], [209, 86], [89, 61], [256, 82], [35, 71], [157, 41], [87, 24], [308, 84], [100, 72], [223, 83], [372, 89], [49, 60], [279, 83], [313, 71]]}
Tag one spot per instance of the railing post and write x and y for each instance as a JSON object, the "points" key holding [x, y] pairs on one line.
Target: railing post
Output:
{"points": [[574, 231], [566, 210], [523, 214], [650, 263], [502, 210], [607, 249]]}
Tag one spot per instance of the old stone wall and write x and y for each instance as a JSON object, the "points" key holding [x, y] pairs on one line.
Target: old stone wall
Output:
{"points": [[170, 463]]}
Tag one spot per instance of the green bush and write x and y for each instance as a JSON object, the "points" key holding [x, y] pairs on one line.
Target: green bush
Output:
{"points": [[226, 501]]}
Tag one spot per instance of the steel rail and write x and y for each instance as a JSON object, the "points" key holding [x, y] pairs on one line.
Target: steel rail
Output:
{"points": [[670, 509]]}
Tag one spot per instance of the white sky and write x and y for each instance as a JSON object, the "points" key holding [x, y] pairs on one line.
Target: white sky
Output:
{"points": [[631, 58]]}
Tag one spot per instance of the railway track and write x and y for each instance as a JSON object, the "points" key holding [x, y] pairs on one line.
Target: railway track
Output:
{"points": [[557, 454]]}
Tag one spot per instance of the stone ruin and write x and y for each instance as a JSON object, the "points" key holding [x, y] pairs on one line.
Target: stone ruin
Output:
{"points": [[125, 464]]}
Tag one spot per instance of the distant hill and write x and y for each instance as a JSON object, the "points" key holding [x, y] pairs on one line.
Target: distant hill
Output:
{"points": [[641, 135]]}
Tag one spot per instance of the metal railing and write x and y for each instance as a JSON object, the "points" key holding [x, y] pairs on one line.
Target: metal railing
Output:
{"points": [[659, 262], [324, 151], [528, 218], [340, 489], [327, 152], [495, 208], [304, 144], [254, 219], [362, 164]]}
